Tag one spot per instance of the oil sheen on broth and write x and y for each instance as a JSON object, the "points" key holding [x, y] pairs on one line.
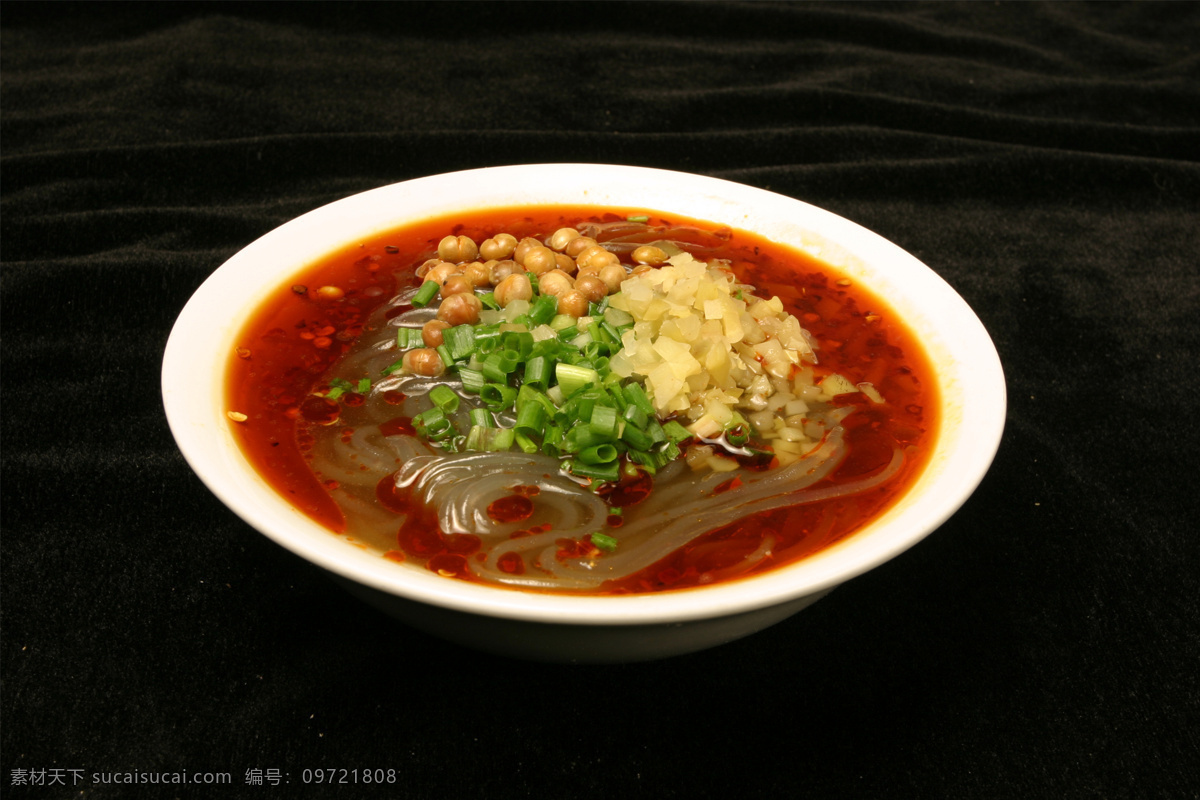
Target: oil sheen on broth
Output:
{"points": [[613, 401]]}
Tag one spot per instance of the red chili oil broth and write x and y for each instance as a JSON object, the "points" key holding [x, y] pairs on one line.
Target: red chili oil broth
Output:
{"points": [[299, 333]]}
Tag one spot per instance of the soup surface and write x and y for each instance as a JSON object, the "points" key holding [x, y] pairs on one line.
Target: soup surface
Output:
{"points": [[679, 405]]}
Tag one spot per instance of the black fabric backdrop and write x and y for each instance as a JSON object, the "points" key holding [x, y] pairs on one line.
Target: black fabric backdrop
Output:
{"points": [[1041, 158]]}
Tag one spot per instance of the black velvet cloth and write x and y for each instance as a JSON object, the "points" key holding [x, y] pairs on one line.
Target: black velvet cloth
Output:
{"points": [[1042, 158]]}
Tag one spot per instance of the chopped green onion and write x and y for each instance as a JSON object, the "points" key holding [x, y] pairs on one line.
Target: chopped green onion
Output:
{"points": [[572, 378], [598, 454], [409, 337], [481, 417], [472, 379], [520, 343], [529, 394], [675, 432], [526, 444], [603, 472], [460, 340], [636, 438], [582, 437], [538, 371], [604, 421], [737, 435], [497, 396], [501, 440], [636, 395], [339, 386], [476, 438], [552, 440], [603, 541], [483, 438], [543, 309], [638, 218], [499, 365], [636, 416], [444, 398], [583, 406], [612, 384], [433, 424], [611, 332], [531, 420], [548, 348], [646, 459], [597, 354], [486, 332], [599, 335], [427, 292], [617, 317], [429, 417]]}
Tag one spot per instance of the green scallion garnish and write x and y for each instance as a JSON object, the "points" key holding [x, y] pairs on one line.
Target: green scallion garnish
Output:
{"points": [[604, 472], [444, 398], [459, 340], [425, 294], [603, 541], [572, 378], [675, 432]]}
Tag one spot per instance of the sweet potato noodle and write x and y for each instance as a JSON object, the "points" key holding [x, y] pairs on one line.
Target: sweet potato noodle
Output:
{"points": [[794, 437]]}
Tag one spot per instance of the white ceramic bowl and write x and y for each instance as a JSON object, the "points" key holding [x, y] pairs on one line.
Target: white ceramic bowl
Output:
{"points": [[587, 629]]}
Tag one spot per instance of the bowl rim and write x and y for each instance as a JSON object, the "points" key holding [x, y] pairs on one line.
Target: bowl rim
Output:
{"points": [[197, 419]]}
